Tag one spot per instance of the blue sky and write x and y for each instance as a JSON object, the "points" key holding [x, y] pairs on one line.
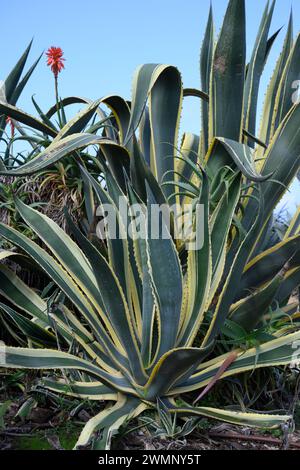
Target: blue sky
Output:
{"points": [[104, 41]]}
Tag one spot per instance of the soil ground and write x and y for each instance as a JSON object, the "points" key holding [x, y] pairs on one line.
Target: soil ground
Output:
{"points": [[46, 428]]}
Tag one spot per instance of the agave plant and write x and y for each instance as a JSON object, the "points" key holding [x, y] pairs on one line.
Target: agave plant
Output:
{"points": [[147, 314], [143, 334]]}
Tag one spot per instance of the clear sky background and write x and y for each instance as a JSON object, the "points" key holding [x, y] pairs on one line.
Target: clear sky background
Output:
{"points": [[105, 40]]}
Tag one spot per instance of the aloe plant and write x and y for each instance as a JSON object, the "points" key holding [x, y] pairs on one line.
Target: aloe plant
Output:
{"points": [[150, 312]]}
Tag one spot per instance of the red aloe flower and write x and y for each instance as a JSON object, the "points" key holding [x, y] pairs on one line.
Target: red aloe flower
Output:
{"points": [[12, 125], [55, 60]]}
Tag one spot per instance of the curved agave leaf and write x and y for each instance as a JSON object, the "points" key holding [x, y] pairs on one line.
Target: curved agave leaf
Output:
{"points": [[166, 279], [5, 254], [235, 417], [121, 112], [294, 227], [221, 221], [290, 282], [265, 133], [199, 272], [118, 160], [206, 58], [145, 136], [290, 75], [162, 84], [55, 152], [117, 105], [108, 421], [286, 142], [255, 70], [279, 351], [172, 367], [228, 152], [228, 75], [189, 152], [20, 295], [115, 304], [72, 290], [101, 285], [84, 390], [266, 265], [38, 335], [249, 311], [26, 358], [286, 138], [233, 279]]}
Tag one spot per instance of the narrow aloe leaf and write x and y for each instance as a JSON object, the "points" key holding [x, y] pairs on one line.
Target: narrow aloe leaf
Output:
{"points": [[21, 85], [79, 122], [13, 78], [228, 75], [12, 87], [24, 118], [43, 116]]}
